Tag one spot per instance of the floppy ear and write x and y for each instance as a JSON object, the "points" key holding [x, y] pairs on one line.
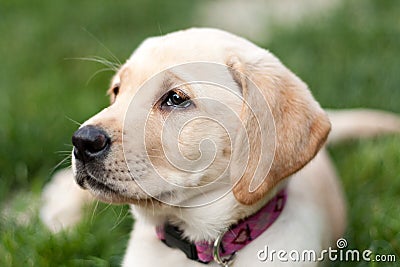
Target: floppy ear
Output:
{"points": [[283, 127]]}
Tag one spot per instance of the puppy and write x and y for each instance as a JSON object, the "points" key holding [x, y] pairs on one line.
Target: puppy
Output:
{"points": [[218, 147]]}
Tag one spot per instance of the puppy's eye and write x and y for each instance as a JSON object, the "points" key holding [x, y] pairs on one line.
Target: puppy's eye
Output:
{"points": [[177, 99], [115, 90]]}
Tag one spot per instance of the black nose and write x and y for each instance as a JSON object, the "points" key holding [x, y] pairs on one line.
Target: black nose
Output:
{"points": [[90, 142]]}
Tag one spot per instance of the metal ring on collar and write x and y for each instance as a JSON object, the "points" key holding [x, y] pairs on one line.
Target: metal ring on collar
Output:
{"points": [[216, 249]]}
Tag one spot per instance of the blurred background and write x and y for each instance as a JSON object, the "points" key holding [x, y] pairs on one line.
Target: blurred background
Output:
{"points": [[346, 51]]}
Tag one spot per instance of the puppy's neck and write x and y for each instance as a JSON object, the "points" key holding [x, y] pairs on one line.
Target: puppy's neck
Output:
{"points": [[206, 222]]}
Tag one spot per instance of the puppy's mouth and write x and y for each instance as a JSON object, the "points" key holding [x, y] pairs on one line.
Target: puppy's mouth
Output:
{"points": [[100, 189], [91, 182], [114, 193]]}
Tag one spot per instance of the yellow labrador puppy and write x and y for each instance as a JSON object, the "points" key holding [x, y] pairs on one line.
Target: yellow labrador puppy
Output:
{"points": [[217, 146]]}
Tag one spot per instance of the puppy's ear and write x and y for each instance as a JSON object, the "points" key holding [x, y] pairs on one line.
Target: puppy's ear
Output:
{"points": [[283, 127]]}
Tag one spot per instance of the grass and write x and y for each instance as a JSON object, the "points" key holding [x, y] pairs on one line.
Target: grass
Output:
{"points": [[41, 77], [349, 59]]}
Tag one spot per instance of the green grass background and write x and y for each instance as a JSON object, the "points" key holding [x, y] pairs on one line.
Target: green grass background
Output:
{"points": [[349, 58]]}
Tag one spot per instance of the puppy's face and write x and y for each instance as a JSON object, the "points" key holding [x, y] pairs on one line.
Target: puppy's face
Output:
{"points": [[193, 115], [167, 134]]}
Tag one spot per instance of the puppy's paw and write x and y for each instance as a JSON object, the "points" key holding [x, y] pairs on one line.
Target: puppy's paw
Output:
{"points": [[62, 201]]}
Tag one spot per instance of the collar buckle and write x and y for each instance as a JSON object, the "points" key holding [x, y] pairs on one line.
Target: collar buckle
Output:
{"points": [[173, 238], [225, 262]]}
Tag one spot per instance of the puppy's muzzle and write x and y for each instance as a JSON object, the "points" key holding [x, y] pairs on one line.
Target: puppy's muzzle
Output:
{"points": [[90, 142]]}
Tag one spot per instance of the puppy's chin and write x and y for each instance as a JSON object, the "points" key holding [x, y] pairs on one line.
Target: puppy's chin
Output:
{"points": [[115, 191], [146, 202], [110, 193], [119, 199]]}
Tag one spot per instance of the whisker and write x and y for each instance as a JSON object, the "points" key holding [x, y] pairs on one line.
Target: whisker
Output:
{"points": [[102, 44], [97, 72], [63, 153], [102, 61], [104, 209], [113, 210], [120, 219], [72, 120], [60, 163], [114, 66], [94, 211]]}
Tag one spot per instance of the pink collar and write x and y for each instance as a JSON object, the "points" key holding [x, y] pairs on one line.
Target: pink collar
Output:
{"points": [[237, 237]]}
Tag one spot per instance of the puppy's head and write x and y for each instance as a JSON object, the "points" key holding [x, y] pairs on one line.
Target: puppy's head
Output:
{"points": [[193, 115]]}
